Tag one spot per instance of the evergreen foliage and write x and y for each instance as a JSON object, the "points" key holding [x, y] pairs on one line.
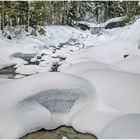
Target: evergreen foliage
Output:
{"points": [[37, 14]]}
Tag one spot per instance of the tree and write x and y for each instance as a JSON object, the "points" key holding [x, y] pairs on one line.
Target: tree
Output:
{"points": [[37, 14]]}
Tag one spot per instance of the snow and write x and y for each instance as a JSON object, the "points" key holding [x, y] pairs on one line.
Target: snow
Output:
{"points": [[88, 24], [124, 125], [29, 45], [86, 66], [92, 25], [18, 76], [110, 49], [90, 120], [117, 89], [112, 90], [117, 95], [117, 19], [4, 80], [64, 33], [101, 53], [37, 106], [31, 69], [96, 89], [130, 64], [134, 31], [6, 59]]}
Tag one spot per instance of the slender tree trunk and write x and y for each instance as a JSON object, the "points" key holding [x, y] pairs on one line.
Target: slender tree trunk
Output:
{"points": [[28, 18], [96, 11], [2, 16]]}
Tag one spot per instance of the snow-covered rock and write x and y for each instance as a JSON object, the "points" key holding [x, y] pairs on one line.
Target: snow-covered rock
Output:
{"points": [[21, 63], [18, 76], [28, 46], [45, 101], [117, 95], [32, 69]]}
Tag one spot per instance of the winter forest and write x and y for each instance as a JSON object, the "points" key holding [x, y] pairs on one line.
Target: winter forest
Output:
{"points": [[70, 69], [42, 13]]}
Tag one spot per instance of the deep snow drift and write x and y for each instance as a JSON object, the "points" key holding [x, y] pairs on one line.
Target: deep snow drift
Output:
{"points": [[96, 89], [127, 125], [37, 103]]}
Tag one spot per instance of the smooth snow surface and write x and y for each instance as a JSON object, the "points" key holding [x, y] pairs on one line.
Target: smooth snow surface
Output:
{"points": [[86, 66], [127, 126], [31, 69], [131, 64]]}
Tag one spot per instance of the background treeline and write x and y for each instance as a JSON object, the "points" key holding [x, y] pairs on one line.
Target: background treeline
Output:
{"points": [[41, 13]]}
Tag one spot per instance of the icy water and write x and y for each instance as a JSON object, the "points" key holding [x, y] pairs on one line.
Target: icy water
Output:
{"points": [[59, 133]]}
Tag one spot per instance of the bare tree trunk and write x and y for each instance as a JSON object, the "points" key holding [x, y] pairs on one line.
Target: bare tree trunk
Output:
{"points": [[28, 20], [2, 16]]}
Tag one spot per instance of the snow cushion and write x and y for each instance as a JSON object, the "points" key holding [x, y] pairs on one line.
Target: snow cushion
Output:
{"points": [[29, 106], [86, 66], [131, 64], [124, 127], [32, 69], [119, 90], [117, 95]]}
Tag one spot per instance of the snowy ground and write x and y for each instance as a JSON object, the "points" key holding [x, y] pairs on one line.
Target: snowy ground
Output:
{"points": [[73, 78]]}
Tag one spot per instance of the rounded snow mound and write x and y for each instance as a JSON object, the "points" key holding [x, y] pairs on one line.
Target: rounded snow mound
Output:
{"points": [[104, 53], [117, 95], [119, 90], [32, 69], [124, 127], [131, 64], [134, 31], [29, 104], [86, 66]]}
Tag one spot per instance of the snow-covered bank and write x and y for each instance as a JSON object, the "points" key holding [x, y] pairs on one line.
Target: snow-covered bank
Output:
{"points": [[117, 90], [56, 37], [31, 55], [118, 95], [112, 48], [95, 90]]}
